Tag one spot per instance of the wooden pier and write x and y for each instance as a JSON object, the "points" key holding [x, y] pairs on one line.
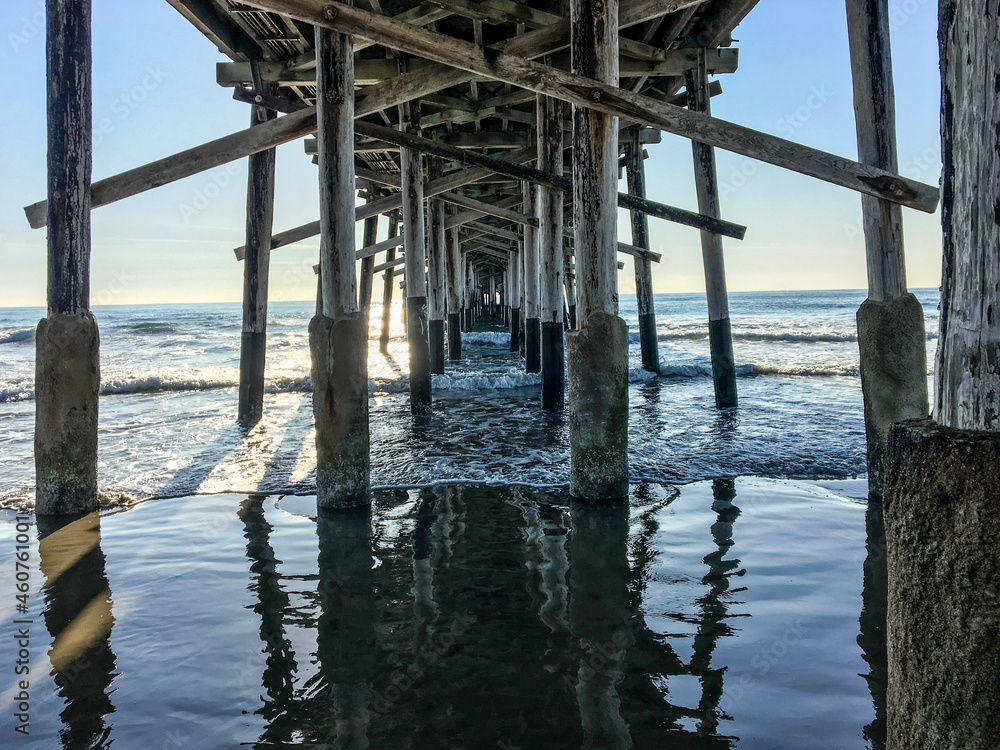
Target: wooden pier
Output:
{"points": [[490, 134]]}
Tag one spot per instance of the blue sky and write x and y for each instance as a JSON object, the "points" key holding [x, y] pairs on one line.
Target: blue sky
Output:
{"points": [[155, 94]]}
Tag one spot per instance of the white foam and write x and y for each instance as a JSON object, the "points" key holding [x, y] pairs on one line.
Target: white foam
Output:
{"points": [[512, 379], [17, 335]]}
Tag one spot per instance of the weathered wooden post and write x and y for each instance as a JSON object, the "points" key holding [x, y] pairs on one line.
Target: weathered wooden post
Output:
{"points": [[67, 342], [369, 234], [551, 261], [260, 215], [456, 292], [514, 275], [338, 338], [597, 354], [412, 176], [471, 290], [720, 331], [436, 283], [571, 293], [387, 283], [891, 335], [529, 285], [493, 294], [943, 480], [635, 172]]}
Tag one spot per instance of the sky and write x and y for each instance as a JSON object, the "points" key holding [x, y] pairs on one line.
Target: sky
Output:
{"points": [[155, 94]]}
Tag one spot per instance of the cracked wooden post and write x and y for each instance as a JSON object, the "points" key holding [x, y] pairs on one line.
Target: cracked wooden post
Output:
{"points": [[551, 261], [338, 338], [891, 335], [456, 292], [260, 215], [412, 180], [635, 172], [387, 284], [720, 331], [529, 286], [942, 494], [67, 342], [436, 281], [597, 354]]}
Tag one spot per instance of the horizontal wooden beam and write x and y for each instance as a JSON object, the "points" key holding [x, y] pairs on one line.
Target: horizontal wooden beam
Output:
{"points": [[519, 71], [252, 140]]}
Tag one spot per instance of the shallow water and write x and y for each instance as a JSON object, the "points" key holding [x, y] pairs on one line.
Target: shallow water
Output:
{"points": [[168, 414], [733, 613]]}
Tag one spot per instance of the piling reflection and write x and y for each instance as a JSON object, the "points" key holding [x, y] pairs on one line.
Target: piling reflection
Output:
{"points": [[346, 632], [874, 605], [599, 616], [280, 667], [78, 617]]}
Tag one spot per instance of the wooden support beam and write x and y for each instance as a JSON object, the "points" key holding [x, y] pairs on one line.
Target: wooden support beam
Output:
{"points": [[611, 100], [706, 183], [636, 178], [412, 170], [260, 213], [551, 265], [245, 142], [67, 341], [597, 354], [455, 283], [437, 302], [391, 261], [369, 235]]}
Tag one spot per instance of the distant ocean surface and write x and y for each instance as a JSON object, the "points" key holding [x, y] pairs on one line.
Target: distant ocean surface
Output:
{"points": [[169, 377]]}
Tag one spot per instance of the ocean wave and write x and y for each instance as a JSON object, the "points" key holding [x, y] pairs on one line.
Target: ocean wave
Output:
{"points": [[486, 337], [814, 371], [151, 327], [787, 336], [18, 335], [513, 379]]}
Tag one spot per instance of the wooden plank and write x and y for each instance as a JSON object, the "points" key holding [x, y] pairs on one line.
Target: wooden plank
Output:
{"points": [[613, 101]]}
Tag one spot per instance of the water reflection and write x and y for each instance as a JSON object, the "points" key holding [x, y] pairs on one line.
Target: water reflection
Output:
{"points": [[78, 617], [599, 616], [873, 620], [346, 627]]}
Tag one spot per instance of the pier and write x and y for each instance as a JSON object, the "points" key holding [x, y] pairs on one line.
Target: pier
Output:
{"points": [[490, 137]]}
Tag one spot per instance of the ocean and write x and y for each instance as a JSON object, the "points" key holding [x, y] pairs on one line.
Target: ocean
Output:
{"points": [[736, 601], [169, 375]]}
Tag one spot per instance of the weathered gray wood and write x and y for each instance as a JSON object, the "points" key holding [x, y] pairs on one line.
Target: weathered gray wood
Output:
{"points": [[387, 285], [335, 62], [595, 161], [456, 282], [611, 100], [69, 156], [968, 360], [412, 175], [706, 184], [245, 142], [260, 213], [437, 300], [551, 263], [875, 113], [367, 266], [636, 178]]}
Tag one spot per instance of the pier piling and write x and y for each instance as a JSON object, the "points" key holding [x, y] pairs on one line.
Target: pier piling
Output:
{"points": [[412, 176], [67, 341], [597, 354], [436, 281], [529, 286], [635, 172], [891, 336], [338, 339], [943, 479], [456, 278], [720, 332], [551, 263], [387, 285], [256, 266]]}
